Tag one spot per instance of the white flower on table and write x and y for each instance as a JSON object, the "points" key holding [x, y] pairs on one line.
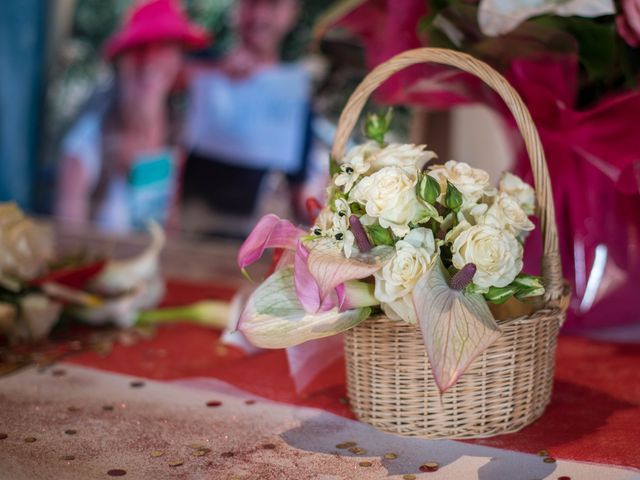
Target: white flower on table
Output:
{"points": [[394, 283], [389, 197], [496, 253], [355, 164], [505, 213], [473, 183], [522, 192]]}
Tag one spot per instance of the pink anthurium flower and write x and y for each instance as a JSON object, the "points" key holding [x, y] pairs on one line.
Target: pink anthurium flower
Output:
{"points": [[320, 268], [270, 232], [314, 284]]}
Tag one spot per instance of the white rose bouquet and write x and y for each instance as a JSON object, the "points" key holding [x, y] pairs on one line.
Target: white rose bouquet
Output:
{"points": [[403, 235]]}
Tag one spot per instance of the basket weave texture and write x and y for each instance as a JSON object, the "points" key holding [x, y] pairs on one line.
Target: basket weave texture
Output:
{"points": [[389, 379]]}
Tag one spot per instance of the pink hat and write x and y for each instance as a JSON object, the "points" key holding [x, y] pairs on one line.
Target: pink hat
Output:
{"points": [[156, 21]]}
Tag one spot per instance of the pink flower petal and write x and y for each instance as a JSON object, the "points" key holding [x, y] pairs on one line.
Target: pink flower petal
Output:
{"points": [[270, 232], [330, 268], [307, 288]]}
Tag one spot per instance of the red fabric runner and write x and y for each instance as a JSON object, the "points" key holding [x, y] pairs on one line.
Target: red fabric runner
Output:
{"points": [[593, 416]]}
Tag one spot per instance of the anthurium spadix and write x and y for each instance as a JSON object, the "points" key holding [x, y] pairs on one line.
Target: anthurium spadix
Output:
{"points": [[275, 318], [456, 326]]}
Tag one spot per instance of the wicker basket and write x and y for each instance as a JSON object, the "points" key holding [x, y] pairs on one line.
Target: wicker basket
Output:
{"points": [[390, 383]]}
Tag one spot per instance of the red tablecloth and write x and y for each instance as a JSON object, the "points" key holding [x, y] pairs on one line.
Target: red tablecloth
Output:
{"points": [[594, 414]]}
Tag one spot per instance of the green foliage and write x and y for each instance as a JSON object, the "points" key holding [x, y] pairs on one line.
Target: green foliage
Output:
{"points": [[453, 197], [428, 189], [377, 125], [380, 235]]}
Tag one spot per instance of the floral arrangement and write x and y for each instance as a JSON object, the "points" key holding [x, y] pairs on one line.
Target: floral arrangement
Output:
{"points": [[422, 242], [576, 66]]}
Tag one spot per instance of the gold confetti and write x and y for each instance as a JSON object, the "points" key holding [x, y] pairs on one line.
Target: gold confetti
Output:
{"points": [[117, 472], [197, 446], [269, 446], [67, 458], [391, 456], [30, 439], [176, 463], [357, 450], [365, 464], [429, 467], [157, 453], [201, 452], [345, 445], [549, 460], [409, 476], [543, 453]]}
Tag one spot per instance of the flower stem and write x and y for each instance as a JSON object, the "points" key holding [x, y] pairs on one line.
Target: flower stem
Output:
{"points": [[463, 278]]}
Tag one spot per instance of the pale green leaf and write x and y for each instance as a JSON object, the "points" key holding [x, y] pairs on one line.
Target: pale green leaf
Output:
{"points": [[456, 327], [275, 318]]}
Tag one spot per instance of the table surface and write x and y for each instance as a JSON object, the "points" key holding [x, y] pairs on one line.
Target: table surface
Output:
{"points": [[593, 416]]}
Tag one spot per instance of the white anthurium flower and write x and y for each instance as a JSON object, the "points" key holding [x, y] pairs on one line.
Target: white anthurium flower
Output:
{"points": [[473, 183], [389, 197], [395, 281], [521, 191], [497, 255], [409, 157], [497, 17], [355, 164], [505, 213]]}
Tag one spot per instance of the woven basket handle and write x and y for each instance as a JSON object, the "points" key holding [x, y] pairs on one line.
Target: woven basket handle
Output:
{"points": [[551, 268]]}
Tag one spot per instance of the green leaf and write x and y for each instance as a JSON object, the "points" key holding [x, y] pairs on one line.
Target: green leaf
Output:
{"points": [[428, 189], [357, 209], [376, 126], [499, 295], [528, 286], [334, 167], [380, 235], [456, 326], [453, 197], [275, 318]]}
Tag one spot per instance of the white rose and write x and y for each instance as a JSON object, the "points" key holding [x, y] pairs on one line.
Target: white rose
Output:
{"points": [[505, 213], [388, 196], [497, 255], [394, 283], [473, 183], [409, 157], [355, 164], [522, 192]]}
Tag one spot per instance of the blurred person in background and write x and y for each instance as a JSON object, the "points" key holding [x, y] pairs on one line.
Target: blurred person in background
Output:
{"points": [[119, 159], [249, 115]]}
